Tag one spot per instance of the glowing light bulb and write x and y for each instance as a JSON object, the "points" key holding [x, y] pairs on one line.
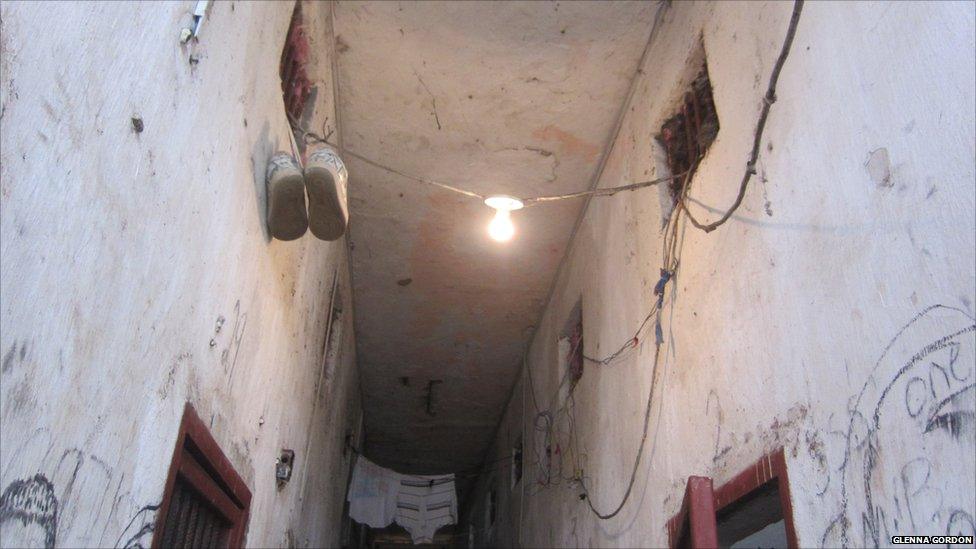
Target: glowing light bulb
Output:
{"points": [[501, 227]]}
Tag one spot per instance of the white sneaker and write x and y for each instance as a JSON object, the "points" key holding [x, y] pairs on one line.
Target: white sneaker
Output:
{"points": [[325, 180], [287, 219]]}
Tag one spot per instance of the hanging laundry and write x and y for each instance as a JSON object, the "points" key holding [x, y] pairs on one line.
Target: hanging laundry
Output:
{"points": [[373, 494], [421, 504], [424, 504]]}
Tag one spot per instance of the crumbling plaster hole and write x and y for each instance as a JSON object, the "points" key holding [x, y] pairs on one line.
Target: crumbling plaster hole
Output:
{"points": [[687, 134], [675, 150]]}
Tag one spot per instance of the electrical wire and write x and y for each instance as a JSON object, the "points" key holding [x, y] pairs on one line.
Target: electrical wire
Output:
{"points": [[376, 164], [544, 462], [768, 101], [608, 191], [640, 449], [528, 372], [308, 136], [471, 472], [477, 471], [672, 261], [631, 343]]}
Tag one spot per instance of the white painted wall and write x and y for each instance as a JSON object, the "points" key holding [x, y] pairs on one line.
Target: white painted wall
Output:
{"points": [[122, 254], [833, 315]]}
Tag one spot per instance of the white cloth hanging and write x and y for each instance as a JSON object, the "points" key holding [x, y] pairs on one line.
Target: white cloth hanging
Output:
{"points": [[373, 494], [421, 504], [424, 504]]}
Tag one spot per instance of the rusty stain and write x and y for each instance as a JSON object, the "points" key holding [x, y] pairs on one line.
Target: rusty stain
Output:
{"points": [[568, 143]]}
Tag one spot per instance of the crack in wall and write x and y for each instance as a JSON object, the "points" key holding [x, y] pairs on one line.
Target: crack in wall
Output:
{"points": [[433, 100]]}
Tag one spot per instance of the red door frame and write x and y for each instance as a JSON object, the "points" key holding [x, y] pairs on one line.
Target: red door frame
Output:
{"points": [[698, 512], [695, 506]]}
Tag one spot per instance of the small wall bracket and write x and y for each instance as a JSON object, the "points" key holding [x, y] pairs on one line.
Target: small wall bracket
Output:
{"points": [[283, 467], [199, 14]]}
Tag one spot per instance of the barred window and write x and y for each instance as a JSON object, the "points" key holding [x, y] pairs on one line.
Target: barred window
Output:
{"points": [[205, 502]]}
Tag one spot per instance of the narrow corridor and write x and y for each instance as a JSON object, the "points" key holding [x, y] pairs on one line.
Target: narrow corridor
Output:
{"points": [[487, 274]]}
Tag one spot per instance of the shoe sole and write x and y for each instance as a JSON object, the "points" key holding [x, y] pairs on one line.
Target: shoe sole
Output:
{"points": [[327, 217], [287, 219]]}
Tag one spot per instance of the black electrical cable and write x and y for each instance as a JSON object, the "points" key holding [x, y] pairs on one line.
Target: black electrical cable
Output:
{"points": [[672, 248], [640, 449], [670, 261], [768, 101]]}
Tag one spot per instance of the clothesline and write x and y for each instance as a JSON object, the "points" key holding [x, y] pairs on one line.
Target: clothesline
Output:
{"points": [[420, 503], [472, 472]]}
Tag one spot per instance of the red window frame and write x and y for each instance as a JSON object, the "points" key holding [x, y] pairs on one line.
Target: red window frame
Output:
{"points": [[695, 524], [199, 462]]}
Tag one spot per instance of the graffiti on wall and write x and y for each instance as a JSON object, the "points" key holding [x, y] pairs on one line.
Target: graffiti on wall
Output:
{"points": [[29, 513], [138, 532], [75, 492], [51, 495], [907, 465], [228, 356]]}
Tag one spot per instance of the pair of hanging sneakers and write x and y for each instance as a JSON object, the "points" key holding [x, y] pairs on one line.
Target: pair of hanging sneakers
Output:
{"points": [[324, 178]]}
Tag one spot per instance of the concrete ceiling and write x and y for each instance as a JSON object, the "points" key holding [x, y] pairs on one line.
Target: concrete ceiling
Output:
{"points": [[516, 98]]}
